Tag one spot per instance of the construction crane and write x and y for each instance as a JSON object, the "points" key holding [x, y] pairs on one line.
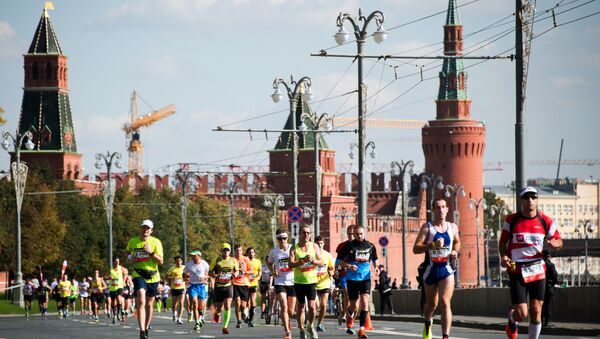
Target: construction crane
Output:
{"points": [[132, 134]]}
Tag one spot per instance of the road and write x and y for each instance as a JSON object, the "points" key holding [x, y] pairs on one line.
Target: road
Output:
{"points": [[164, 327]]}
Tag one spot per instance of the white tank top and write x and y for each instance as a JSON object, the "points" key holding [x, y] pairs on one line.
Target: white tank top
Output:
{"points": [[281, 260]]}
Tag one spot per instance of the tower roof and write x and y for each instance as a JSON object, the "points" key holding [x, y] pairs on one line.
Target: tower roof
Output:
{"points": [[305, 140], [44, 39], [452, 15]]}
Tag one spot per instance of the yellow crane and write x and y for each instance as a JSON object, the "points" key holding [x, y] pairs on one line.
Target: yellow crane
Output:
{"points": [[132, 133]]}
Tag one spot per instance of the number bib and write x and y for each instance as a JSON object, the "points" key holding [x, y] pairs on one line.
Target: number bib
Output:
{"points": [[224, 277], [533, 272], [284, 265], [439, 254]]}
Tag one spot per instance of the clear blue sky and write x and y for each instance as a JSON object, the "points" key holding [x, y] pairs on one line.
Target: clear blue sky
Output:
{"points": [[216, 60]]}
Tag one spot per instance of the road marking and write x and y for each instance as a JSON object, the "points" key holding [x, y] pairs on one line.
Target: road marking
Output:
{"points": [[407, 334]]}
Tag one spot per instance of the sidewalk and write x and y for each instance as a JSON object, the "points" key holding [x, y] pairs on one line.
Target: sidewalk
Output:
{"points": [[493, 323]]}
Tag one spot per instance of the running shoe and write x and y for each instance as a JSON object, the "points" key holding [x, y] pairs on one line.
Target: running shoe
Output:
{"points": [[512, 330], [427, 331], [362, 334], [225, 330], [320, 328]]}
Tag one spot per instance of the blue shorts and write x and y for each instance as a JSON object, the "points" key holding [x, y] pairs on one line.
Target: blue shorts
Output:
{"points": [[435, 273], [140, 283], [198, 290]]}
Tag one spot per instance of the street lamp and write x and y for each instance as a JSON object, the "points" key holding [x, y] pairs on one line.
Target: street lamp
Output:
{"points": [[587, 227], [276, 201], [324, 121], [19, 173], [300, 87], [502, 212], [182, 178], [341, 37], [475, 203], [432, 182], [108, 193], [400, 168], [231, 189]]}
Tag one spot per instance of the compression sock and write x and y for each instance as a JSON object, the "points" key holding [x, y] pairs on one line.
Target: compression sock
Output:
{"points": [[363, 318], [226, 315], [534, 330]]}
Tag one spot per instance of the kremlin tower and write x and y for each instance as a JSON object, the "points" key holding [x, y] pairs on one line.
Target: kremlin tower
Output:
{"points": [[453, 145]]}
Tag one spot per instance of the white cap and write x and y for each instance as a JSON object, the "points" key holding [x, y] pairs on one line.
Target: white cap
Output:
{"points": [[528, 189], [148, 223]]}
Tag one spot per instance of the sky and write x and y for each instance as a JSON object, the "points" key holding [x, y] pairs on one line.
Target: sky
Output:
{"points": [[216, 61]]}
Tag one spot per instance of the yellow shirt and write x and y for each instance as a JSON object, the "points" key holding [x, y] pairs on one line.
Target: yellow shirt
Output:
{"points": [[65, 289], [254, 276], [142, 260], [175, 276], [323, 279]]}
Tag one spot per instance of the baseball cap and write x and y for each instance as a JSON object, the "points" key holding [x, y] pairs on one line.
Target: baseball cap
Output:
{"points": [[226, 246], [528, 189], [196, 252], [148, 223]]}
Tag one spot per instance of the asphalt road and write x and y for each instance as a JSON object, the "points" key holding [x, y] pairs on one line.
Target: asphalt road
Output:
{"points": [[164, 327]]}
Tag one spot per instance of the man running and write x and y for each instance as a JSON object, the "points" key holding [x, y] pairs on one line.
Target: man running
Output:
{"points": [[356, 257], [440, 241], [98, 285], [254, 277], [343, 287], [223, 269], [145, 253], [279, 265], [196, 272], [324, 274], [117, 283], [176, 280], [241, 284], [304, 258], [520, 246]]}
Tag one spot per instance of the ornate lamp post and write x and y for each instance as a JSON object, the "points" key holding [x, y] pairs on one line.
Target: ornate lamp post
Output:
{"points": [[182, 176], [108, 193], [432, 182], [324, 121], [231, 189], [400, 168], [293, 89], [341, 37], [19, 173], [502, 211], [475, 203], [276, 201]]}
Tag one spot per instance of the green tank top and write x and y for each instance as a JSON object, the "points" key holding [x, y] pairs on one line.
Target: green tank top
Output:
{"points": [[306, 273]]}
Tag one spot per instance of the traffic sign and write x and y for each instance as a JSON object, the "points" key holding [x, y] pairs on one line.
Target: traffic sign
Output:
{"points": [[384, 241], [294, 214]]}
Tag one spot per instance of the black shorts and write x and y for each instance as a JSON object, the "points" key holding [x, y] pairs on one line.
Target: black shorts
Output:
{"points": [[252, 289], [323, 291], [288, 290], [28, 298], [264, 287], [177, 292], [118, 292], [241, 292], [305, 292], [519, 289], [356, 287], [97, 297], [222, 293]]}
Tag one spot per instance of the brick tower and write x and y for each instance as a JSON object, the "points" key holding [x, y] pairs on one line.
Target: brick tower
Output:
{"points": [[453, 145], [46, 109]]}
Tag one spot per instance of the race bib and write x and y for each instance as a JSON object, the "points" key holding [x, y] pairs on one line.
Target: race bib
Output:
{"points": [[533, 272], [439, 254], [140, 255], [363, 256], [284, 265], [224, 277]]}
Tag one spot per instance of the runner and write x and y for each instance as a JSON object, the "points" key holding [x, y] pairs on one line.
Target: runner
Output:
{"points": [[196, 272], [440, 240], [117, 283], [175, 279], [223, 269], [146, 253], [64, 286], [304, 258], [28, 290], [356, 256], [84, 296], [73, 297], [342, 285], [44, 292], [98, 285], [254, 278], [324, 274], [241, 281], [266, 281], [279, 265], [520, 245]]}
